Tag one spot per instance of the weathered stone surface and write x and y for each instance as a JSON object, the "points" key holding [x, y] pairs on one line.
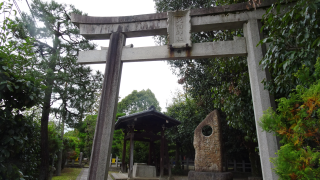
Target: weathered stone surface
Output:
{"points": [[101, 150], [143, 170], [261, 98], [154, 53], [159, 27], [208, 148], [117, 159], [82, 19], [179, 29], [193, 175]]}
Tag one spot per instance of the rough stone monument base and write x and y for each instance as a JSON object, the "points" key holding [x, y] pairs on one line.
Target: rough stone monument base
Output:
{"points": [[194, 175]]}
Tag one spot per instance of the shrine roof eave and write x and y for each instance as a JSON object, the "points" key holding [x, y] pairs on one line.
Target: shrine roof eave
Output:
{"points": [[149, 118]]}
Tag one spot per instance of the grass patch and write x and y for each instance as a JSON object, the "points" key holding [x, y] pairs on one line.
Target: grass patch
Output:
{"points": [[68, 174]]}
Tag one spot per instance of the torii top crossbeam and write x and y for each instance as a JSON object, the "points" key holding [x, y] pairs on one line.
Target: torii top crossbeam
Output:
{"points": [[202, 19], [178, 26], [207, 19]]}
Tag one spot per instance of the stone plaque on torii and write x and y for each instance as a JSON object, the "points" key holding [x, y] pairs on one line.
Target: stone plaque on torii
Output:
{"points": [[117, 29]]}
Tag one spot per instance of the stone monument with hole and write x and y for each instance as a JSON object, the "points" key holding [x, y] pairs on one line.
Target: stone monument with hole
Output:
{"points": [[208, 147], [117, 29]]}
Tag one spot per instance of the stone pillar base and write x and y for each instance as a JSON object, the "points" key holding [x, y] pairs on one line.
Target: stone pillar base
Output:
{"points": [[194, 175]]}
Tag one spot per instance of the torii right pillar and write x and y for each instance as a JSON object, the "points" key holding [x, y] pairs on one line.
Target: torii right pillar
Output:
{"points": [[261, 98]]}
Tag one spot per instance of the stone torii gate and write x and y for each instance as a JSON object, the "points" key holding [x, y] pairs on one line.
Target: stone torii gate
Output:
{"points": [[178, 26]]}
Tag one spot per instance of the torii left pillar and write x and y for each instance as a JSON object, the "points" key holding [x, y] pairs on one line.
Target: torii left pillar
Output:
{"points": [[101, 150]]}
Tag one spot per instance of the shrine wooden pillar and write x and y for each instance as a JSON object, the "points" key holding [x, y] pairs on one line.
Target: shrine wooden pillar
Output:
{"points": [[167, 157], [130, 172], [162, 152], [123, 163], [153, 159], [150, 152]]}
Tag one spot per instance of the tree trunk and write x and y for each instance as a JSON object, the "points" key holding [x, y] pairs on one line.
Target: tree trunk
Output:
{"points": [[63, 119], [49, 81], [61, 151], [177, 153], [44, 155], [181, 158], [59, 165]]}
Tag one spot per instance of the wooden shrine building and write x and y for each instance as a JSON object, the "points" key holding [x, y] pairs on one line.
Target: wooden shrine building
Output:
{"points": [[145, 126]]}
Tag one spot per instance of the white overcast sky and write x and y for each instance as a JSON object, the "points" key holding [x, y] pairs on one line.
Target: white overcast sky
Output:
{"points": [[155, 75]]}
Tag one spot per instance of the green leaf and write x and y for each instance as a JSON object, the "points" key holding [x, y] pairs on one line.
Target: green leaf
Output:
{"points": [[9, 87], [316, 42], [6, 153]]}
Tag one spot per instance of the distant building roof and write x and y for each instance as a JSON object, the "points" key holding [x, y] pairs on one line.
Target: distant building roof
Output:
{"points": [[150, 120]]}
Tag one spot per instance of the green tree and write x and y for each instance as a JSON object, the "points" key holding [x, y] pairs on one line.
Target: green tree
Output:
{"points": [[55, 145], [86, 134], [19, 134], [138, 101], [219, 83], [293, 40], [296, 122], [186, 111], [57, 43], [89, 126], [293, 37], [117, 141], [135, 102], [73, 137], [190, 115]]}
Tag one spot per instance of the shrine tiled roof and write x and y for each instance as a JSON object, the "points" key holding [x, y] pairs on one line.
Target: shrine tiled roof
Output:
{"points": [[149, 119]]}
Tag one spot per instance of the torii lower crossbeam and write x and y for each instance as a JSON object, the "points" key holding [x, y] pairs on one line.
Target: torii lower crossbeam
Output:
{"points": [[199, 50]]}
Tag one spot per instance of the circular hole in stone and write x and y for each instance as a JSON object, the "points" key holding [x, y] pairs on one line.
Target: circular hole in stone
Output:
{"points": [[207, 130]]}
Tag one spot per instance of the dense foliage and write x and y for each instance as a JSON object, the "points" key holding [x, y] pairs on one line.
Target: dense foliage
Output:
{"points": [[294, 41], [88, 127], [56, 44], [186, 110], [218, 83], [19, 134], [73, 152], [296, 121], [138, 101], [28, 58], [135, 102]]}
